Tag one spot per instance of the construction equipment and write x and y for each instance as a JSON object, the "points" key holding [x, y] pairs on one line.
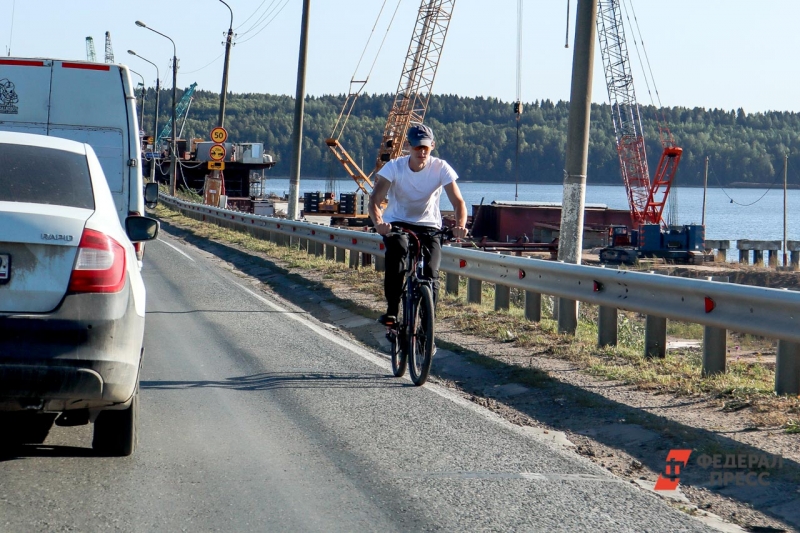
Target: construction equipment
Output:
{"points": [[180, 109], [649, 235], [90, 53], [109, 51], [410, 101]]}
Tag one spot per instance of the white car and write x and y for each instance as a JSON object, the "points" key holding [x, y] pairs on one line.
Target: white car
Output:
{"points": [[72, 299]]}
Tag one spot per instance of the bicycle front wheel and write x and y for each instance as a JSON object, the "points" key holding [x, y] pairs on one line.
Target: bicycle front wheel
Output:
{"points": [[420, 342]]}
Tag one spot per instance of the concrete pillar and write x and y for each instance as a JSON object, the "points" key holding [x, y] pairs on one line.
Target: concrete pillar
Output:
{"points": [[773, 258], [502, 297], [380, 264], [655, 337], [474, 291], [533, 306], [451, 284], [787, 368], [722, 255], [744, 257], [340, 253], [606, 326], [796, 260], [758, 257]]}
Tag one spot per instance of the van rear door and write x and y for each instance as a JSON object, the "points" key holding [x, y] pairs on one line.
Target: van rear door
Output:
{"points": [[25, 95]]}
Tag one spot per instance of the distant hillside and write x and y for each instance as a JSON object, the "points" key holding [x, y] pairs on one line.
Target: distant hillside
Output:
{"points": [[478, 136]]}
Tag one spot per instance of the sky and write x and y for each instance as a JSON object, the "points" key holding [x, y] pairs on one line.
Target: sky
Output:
{"points": [[703, 53]]}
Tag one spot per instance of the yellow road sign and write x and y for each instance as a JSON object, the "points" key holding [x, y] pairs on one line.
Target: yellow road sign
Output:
{"points": [[216, 165], [219, 135], [217, 152]]}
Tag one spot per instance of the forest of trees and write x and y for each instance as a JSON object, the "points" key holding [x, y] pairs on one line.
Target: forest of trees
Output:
{"points": [[478, 136]]}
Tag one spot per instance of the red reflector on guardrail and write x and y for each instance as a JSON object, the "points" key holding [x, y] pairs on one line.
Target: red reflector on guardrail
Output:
{"points": [[313, 232], [462, 263], [381, 246], [355, 241], [710, 304], [521, 274], [597, 286]]}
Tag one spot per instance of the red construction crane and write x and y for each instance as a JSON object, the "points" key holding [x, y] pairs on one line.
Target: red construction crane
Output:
{"points": [[647, 199], [413, 91]]}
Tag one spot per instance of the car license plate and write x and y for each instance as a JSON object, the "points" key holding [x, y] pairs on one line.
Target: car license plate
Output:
{"points": [[5, 267]]}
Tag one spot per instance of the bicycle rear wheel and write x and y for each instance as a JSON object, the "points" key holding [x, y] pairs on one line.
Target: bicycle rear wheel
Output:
{"points": [[420, 345], [397, 338]]}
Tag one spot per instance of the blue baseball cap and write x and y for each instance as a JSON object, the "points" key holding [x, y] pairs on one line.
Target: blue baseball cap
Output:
{"points": [[420, 135]]}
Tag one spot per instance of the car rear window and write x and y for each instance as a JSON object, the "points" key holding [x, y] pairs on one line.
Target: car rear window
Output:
{"points": [[44, 176]]}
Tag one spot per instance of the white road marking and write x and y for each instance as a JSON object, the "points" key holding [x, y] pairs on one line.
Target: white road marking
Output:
{"points": [[176, 249]]}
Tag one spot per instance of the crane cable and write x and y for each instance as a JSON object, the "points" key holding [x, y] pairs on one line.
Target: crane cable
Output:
{"points": [[518, 103], [350, 101], [566, 35]]}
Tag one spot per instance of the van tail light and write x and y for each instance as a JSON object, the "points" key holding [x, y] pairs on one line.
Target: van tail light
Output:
{"points": [[100, 265]]}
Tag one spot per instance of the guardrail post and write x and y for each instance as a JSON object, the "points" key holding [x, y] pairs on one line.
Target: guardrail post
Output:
{"points": [[340, 253], [715, 343], [787, 368], [354, 259], [330, 252], [451, 284], [474, 287], [294, 241], [319, 249], [303, 244], [606, 326], [380, 264], [655, 337], [366, 260], [502, 297], [533, 306]]}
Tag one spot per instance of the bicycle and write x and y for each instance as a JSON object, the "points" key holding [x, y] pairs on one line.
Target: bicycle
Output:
{"points": [[412, 335]]}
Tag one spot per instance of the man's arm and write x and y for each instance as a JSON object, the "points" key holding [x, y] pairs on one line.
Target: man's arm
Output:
{"points": [[454, 195], [379, 192]]}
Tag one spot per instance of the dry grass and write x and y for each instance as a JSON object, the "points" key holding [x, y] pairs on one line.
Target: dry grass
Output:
{"points": [[749, 383]]}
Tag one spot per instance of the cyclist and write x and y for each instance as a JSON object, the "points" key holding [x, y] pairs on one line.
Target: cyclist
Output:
{"points": [[414, 184]]}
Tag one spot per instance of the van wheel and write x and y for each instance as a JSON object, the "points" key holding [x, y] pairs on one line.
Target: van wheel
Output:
{"points": [[116, 432]]}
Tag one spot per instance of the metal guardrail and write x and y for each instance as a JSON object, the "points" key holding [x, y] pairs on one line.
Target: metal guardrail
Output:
{"points": [[773, 313]]}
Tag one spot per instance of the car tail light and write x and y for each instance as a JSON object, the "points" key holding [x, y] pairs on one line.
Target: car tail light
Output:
{"points": [[100, 265]]}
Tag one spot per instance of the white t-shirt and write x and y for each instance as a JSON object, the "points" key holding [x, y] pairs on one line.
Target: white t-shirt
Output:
{"points": [[414, 196]]}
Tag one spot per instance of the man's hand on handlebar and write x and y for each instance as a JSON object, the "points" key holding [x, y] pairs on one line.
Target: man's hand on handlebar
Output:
{"points": [[383, 228], [459, 232]]}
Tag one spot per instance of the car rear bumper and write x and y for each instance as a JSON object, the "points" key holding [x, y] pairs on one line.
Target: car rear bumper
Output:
{"points": [[86, 353]]}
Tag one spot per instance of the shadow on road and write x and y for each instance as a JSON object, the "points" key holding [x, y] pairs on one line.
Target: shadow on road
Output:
{"points": [[284, 380]]}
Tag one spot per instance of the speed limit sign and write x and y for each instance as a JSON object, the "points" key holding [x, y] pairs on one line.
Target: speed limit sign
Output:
{"points": [[219, 135]]}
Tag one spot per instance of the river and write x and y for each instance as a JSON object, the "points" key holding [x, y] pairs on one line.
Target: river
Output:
{"points": [[754, 213]]}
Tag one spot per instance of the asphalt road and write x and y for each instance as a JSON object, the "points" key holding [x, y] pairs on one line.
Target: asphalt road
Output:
{"points": [[255, 417]]}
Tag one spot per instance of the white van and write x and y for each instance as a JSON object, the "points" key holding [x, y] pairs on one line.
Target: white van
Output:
{"points": [[87, 102]]}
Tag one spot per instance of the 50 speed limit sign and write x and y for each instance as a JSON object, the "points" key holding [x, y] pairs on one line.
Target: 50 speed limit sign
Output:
{"points": [[219, 135]]}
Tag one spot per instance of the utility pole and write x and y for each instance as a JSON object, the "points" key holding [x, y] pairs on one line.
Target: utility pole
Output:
{"points": [[155, 115], [785, 174], [224, 91], [299, 104], [705, 189], [570, 242]]}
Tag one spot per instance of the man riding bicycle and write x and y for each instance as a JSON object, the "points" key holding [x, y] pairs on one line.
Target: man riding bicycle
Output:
{"points": [[414, 184]]}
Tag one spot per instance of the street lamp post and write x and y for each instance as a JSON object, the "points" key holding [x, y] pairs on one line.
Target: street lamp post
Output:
{"points": [[155, 118], [173, 178], [141, 110], [224, 92]]}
